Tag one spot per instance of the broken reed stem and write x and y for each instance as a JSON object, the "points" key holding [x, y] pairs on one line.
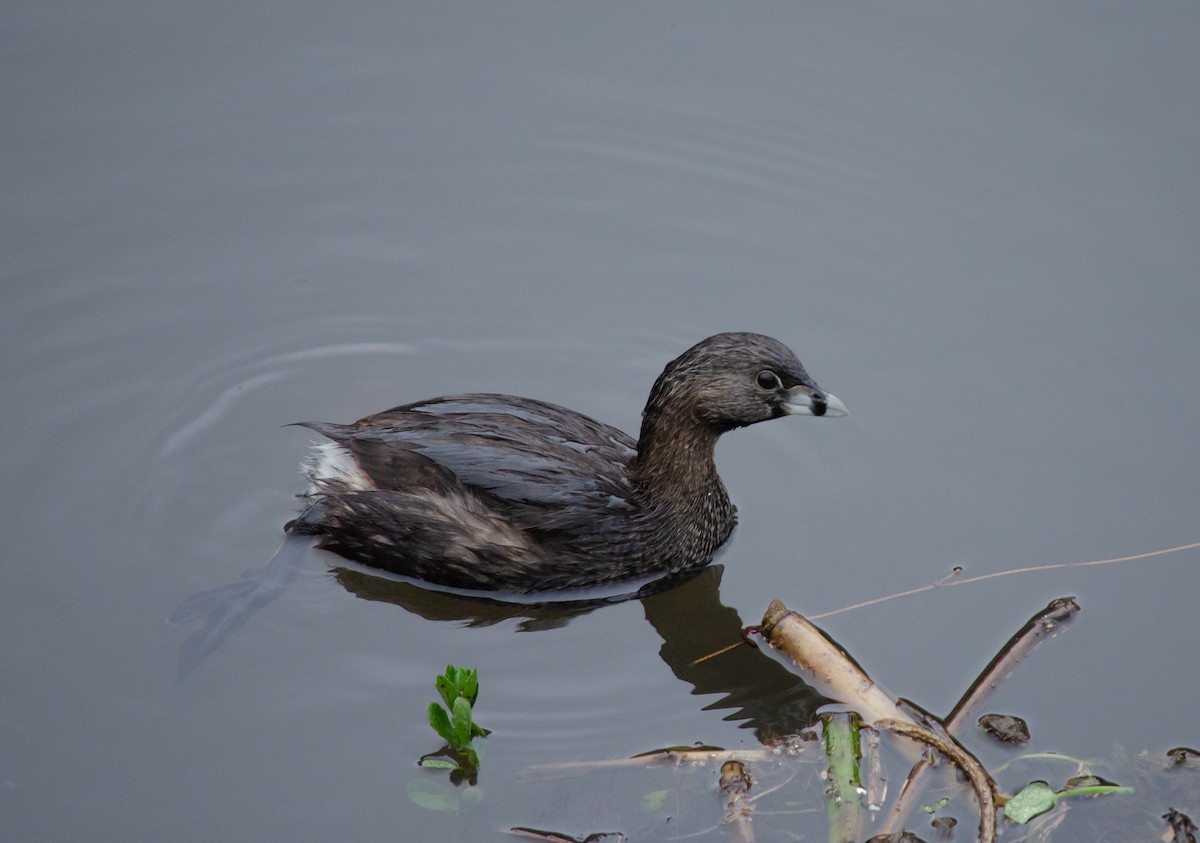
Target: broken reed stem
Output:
{"points": [[735, 784], [826, 666], [843, 789]]}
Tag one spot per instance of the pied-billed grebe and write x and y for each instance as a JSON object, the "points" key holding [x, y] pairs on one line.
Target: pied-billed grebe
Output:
{"points": [[505, 493]]}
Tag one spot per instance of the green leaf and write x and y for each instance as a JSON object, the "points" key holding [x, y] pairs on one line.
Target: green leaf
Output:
{"points": [[446, 690], [468, 684], [460, 715], [1034, 799], [432, 795], [439, 720], [437, 763]]}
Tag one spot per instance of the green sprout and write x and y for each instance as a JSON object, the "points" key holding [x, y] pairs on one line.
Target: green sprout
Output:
{"points": [[455, 723]]}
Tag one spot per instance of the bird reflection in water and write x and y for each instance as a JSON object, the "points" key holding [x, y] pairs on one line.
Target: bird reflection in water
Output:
{"points": [[685, 610]]}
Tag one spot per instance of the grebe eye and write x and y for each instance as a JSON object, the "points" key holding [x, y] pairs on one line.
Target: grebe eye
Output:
{"points": [[768, 379]]}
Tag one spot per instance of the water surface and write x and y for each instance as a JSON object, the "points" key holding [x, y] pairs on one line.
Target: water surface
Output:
{"points": [[975, 224]]}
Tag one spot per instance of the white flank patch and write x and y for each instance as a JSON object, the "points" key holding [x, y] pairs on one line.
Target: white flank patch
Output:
{"points": [[332, 466]]}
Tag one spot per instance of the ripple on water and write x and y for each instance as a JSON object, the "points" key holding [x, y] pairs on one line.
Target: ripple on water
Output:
{"points": [[205, 428]]}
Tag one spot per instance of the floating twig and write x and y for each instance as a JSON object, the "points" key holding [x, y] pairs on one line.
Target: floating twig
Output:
{"points": [[980, 781], [672, 757], [558, 837], [1045, 623], [952, 579]]}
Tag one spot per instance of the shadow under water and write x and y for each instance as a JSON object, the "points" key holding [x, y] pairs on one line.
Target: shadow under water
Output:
{"points": [[685, 610]]}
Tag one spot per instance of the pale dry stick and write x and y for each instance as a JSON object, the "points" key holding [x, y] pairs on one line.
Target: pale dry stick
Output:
{"points": [[951, 580], [826, 666], [764, 793], [752, 799], [673, 758], [871, 766]]}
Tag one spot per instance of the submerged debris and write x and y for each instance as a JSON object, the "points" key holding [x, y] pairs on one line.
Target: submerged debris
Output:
{"points": [[944, 826], [557, 837], [1005, 728], [1181, 826], [1184, 756]]}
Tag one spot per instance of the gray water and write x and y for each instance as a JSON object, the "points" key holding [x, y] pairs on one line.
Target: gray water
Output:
{"points": [[976, 224]]}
